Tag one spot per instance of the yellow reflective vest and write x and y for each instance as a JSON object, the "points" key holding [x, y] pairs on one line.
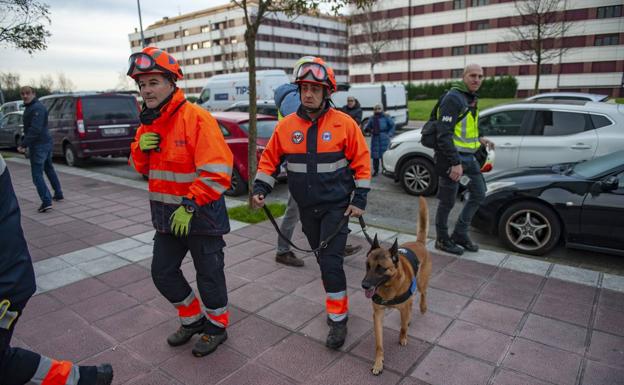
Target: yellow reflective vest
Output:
{"points": [[466, 134]]}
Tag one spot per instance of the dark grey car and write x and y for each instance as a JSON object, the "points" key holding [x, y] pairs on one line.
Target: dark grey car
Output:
{"points": [[11, 129]]}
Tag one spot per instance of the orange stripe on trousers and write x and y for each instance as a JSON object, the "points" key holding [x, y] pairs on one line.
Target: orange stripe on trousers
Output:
{"points": [[58, 373], [191, 310], [337, 306]]}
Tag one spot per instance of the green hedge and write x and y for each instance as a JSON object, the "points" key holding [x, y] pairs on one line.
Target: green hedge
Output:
{"points": [[494, 87]]}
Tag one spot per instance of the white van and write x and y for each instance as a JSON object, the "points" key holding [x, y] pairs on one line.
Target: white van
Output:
{"points": [[392, 96], [222, 91]]}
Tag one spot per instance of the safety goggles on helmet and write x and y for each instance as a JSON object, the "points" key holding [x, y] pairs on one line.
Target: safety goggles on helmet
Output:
{"points": [[143, 62], [316, 70]]}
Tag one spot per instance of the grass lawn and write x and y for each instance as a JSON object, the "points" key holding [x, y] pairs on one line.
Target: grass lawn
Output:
{"points": [[245, 214], [420, 109]]}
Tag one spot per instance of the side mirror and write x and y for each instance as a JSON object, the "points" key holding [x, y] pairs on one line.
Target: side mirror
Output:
{"points": [[610, 183]]}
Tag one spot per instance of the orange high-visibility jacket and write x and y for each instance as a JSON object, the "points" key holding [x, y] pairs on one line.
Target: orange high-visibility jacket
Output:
{"points": [[327, 159], [194, 164]]}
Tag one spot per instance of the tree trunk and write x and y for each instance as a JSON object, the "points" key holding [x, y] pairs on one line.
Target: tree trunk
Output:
{"points": [[372, 72], [537, 74], [250, 41]]}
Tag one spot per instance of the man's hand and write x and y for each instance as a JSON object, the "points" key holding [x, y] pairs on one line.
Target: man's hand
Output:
{"points": [[354, 211], [149, 141], [456, 172], [180, 222], [257, 201], [21, 150], [487, 143]]}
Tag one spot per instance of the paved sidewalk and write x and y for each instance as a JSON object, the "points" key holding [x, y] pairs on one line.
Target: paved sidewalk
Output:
{"points": [[493, 318]]}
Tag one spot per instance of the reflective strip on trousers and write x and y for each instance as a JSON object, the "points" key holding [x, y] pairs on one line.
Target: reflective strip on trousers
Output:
{"points": [[172, 176], [189, 310], [362, 183], [337, 305], [268, 179], [165, 198], [320, 167], [52, 372], [219, 317], [216, 168]]}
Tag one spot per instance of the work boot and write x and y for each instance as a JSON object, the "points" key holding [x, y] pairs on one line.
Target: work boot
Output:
{"points": [[465, 242], [208, 343], [350, 249], [449, 246], [104, 375], [185, 333], [337, 334], [289, 258]]}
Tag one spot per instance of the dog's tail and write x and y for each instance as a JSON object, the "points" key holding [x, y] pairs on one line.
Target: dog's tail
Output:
{"points": [[423, 221]]}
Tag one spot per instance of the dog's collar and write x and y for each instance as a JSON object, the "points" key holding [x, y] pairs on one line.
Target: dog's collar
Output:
{"points": [[396, 300]]}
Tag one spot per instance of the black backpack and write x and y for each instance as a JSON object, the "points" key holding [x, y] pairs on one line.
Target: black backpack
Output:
{"points": [[429, 132]]}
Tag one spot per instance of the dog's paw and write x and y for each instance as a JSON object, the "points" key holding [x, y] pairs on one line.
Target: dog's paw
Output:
{"points": [[377, 368], [403, 341]]}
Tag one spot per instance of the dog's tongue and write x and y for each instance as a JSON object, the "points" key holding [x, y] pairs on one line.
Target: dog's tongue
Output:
{"points": [[369, 293]]}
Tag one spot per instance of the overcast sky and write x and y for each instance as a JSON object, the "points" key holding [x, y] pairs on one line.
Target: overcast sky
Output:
{"points": [[89, 41]]}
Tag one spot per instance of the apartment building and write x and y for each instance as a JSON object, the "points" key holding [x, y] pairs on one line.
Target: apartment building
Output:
{"points": [[211, 42], [432, 40]]}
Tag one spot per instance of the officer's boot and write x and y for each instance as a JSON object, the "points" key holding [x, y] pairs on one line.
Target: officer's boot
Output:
{"points": [[208, 343], [337, 334], [104, 375], [184, 333]]}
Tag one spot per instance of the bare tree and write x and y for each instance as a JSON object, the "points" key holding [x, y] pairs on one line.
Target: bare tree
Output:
{"points": [[64, 84], [23, 24], [539, 36], [256, 12], [9, 80], [124, 82], [46, 82], [375, 31]]}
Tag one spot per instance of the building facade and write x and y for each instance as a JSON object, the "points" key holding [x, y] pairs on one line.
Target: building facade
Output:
{"points": [[212, 42], [432, 41]]}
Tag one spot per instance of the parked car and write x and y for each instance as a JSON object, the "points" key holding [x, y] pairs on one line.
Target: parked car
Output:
{"points": [[235, 129], [392, 96], [14, 106], [582, 96], [532, 209], [83, 125], [264, 107], [11, 129], [529, 133]]}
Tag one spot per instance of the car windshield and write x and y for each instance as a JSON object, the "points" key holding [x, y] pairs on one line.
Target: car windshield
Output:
{"points": [[107, 108], [265, 128], [600, 165]]}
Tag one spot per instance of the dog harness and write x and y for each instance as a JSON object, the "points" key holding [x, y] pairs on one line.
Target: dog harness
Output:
{"points": [[411, 257]]}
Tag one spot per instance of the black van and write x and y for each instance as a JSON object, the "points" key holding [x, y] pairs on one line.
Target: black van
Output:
{"points": [[91, 124]]}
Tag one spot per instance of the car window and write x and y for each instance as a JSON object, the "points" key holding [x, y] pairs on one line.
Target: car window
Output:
{"points": [[47, 103], [264, 128], [15, 119], [558, 123], [109, 107], [502, 123], [224, 130], [55, 111], [5, 121], [65, 108], [600, 121], [205, 96]]}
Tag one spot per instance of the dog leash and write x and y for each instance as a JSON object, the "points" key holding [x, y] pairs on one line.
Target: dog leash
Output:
{"points": [[363, 226], [323, 243]]}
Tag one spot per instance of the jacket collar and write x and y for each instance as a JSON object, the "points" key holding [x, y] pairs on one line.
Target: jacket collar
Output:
{"points": [[304, 115], [176, 100]]}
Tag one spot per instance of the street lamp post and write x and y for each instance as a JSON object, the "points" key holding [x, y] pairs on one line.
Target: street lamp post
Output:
{"points": [[141, 24]]}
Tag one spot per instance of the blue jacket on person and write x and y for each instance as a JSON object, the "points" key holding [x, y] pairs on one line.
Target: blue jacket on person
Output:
{"points": [[17, 277], [381, 128], [35, 120], [287, 99]]}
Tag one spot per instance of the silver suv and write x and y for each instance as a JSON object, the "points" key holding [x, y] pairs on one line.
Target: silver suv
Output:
{"points": [[528, 133]]}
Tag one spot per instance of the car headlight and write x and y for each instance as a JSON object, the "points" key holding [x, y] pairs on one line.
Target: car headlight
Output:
{"points": [[495, 186], [394, 145]]}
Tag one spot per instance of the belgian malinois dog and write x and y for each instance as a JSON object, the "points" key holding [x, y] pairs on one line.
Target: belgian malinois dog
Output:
{"points": [[392, 277]]}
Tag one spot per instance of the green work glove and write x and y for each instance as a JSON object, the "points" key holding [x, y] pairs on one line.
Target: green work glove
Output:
{"points": [[180, 222], [149, 141]]}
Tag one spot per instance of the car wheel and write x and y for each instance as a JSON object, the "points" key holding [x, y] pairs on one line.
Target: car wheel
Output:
{"points": [[71, 158], [529, 227], [238, 187], [418, 177]]}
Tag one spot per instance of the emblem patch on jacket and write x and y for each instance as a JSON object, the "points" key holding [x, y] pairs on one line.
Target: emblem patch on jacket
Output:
{"points": [[326, 136], [297, 137]]}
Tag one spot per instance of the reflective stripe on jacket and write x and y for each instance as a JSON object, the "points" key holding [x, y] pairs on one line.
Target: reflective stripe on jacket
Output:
{"points": [[193, 162], [466, 133], [327, 159]]}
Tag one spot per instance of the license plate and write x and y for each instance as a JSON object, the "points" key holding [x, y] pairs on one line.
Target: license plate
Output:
{"points": [[114, 131]]}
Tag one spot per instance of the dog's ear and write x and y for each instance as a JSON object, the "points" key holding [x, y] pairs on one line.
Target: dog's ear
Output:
{"points": [[375, 244], [394, 252]]}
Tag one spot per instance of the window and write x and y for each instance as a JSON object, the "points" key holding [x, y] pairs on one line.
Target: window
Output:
{"points": [[457, 51], [610, 11], [607, 40], [186, 32], [205, 29], [459, 4], [67, 109], [224, 130], [196, 61], [5, 121], [206, 44], [478, 49], [479, 3], [502, 123], [483, 25], [457, 73], [557, 123], [600, 121]]}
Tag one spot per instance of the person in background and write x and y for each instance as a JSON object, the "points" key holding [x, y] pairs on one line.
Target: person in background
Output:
{"points": [[381, 128], [17, 284], [39, 143], [353, 109]]}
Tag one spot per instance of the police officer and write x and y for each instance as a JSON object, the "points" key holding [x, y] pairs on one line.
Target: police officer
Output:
{"points": [[180, 146], [458, 140], [17, 285], [328, 165]]}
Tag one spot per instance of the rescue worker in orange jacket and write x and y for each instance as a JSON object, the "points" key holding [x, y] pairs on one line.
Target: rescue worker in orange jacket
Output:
{"points": [[328, 166], [17, 284], [180, 147]]}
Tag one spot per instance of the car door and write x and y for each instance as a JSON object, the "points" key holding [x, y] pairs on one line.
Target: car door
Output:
{"points": [[505, 129], [558, 136], [4, 131], [602, 217]]}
